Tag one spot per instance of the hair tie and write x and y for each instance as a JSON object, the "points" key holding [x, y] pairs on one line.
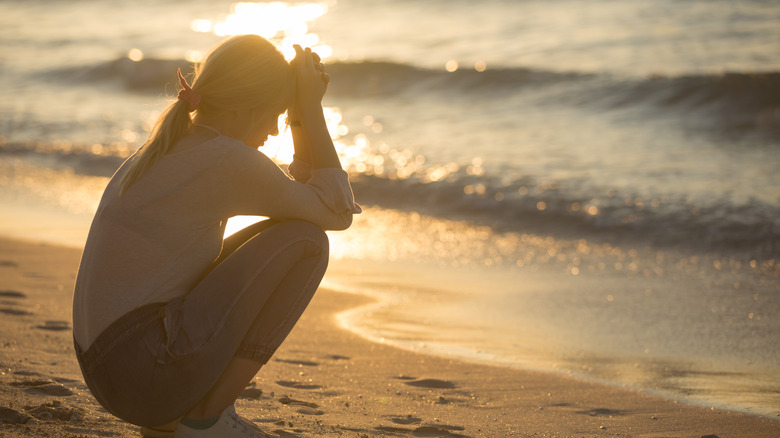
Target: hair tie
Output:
{"points": [[186, 94]]}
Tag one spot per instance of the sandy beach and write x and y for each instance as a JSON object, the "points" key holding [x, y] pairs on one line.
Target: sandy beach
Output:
{"points": [[324, 381]]}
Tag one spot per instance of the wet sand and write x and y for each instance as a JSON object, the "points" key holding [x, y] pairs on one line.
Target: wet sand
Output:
{"points": [[324, 381]]}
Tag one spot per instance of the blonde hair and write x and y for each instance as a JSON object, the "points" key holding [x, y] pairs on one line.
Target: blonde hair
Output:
{"points": [[243, 73]]}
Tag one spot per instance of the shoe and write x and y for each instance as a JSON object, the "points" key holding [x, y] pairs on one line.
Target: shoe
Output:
{"points": [[229, 425]]}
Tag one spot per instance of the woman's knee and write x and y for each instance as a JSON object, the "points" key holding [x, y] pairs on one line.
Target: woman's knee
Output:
{"points": [[307, 232]]}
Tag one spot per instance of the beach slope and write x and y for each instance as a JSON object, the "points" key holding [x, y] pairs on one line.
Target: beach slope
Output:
{"points": [[324, 381]]}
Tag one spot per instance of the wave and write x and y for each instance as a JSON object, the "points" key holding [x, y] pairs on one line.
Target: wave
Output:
{"points": [[738, 101], [521, 205], [83, 159], [372, 78], [734, 102], [719, 226], [363, 78], [148, 74]]}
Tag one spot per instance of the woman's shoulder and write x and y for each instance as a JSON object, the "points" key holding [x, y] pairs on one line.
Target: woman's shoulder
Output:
{"points": [[219, 149], [237, 153], [219, 158]]}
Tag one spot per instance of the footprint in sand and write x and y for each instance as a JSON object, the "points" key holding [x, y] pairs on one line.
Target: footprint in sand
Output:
{"points": [[297, 385], [338, 357], [403, 377], [65, 380], [55, 411], [10, 416], [310, 411], [305, 363], [601, 411], [431, 383], [12, 311], [9, 264], [55, 326], [393, 430], [405, 420], [46, 387], [26, 373], [424, 431], [290, 401], [12, 294], [437, 431]]}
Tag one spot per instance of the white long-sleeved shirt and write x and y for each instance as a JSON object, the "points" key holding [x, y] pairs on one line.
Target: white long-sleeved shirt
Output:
{"points": [[153, 243]]}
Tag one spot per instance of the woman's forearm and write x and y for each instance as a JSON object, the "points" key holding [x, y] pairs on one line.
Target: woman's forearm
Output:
{"points": [[312, 139], [300, 140]]}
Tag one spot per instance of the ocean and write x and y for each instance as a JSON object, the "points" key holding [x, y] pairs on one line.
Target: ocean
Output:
{"points": [[585, 187]]}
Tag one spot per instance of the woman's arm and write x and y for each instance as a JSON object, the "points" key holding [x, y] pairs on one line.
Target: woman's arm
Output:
{"points": [[310, 132], [323, 196], [250, 183]]}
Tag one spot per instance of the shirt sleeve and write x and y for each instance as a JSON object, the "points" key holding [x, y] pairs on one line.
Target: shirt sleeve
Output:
{"points": [[252, 184], [299, 169]]}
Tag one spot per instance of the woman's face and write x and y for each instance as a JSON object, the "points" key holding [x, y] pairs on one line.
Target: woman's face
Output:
{"points": [[263, 125]]}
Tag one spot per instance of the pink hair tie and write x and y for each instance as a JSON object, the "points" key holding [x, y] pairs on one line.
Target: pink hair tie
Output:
{"points": [[186, 94]]}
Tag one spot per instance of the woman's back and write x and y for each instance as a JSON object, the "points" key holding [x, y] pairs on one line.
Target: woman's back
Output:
{"points": [[150, 243]]}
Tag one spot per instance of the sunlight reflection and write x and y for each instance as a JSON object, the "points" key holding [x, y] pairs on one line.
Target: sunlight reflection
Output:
{"points": [[194, 56], [382, 234], [75, 193], [451, 65], [135, 55], [203, 26], [388, 235], [280, 147], [281, 21]]}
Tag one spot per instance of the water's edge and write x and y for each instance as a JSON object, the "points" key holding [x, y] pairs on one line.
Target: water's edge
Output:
{"points": [[358, 321]]}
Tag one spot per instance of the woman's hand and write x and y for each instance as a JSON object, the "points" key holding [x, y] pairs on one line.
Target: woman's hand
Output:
{"points": [[311, 78]]}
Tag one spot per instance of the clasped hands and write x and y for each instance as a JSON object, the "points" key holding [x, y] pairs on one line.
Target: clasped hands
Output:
{"points": [[311, 82]]}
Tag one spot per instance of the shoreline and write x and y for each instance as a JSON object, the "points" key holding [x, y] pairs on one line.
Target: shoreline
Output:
{"points": [[445, 351], [407, 313], [324, 380], [345, 321]]}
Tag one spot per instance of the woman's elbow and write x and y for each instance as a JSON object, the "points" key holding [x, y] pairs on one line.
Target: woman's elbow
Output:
{"points": [[339, 222], [345, 221]]}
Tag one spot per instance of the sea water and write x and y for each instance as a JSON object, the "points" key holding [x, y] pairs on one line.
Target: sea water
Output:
{"points": [[590, 187]]}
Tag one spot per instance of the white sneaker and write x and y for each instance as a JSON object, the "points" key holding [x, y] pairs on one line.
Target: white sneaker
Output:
{"points": [[230, 424]]}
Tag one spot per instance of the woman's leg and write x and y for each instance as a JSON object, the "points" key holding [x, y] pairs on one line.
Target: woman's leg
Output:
{"points": [[238, 374], [240, 237], [237, 316]]}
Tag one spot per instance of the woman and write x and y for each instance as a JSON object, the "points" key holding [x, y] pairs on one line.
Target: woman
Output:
{"points": [[170, 322]]}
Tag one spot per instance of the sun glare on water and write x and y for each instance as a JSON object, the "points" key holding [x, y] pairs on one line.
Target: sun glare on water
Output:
{"points": [[288, 23]]}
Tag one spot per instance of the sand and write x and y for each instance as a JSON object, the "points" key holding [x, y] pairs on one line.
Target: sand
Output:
{"points": [[324, 381]]}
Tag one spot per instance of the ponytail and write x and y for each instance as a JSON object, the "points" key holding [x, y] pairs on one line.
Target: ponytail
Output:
{"points": [[170, 127]]}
